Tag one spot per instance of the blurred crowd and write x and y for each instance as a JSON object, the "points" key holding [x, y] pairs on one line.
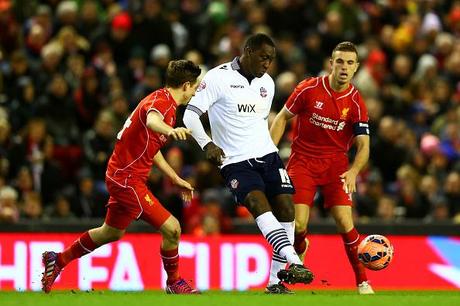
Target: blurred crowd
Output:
{"points": [[72, 71]]}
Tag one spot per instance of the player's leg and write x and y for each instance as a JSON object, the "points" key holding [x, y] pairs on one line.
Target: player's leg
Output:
{"points": [[344, 221], [284, 213], [279, 190], [340, 204], [306, 175], [302, 215], [257, 203], [156, 215], [89, 241], [245, 181]]}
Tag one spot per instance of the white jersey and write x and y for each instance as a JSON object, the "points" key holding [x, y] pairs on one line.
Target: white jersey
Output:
{"points": [[237, 110]]}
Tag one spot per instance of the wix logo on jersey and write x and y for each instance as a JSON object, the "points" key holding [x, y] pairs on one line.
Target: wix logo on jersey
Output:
{"points": [[246, 108]]}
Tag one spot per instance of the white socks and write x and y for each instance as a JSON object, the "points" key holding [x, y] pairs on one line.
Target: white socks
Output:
{"points": [[278, 263], [281, 237]]}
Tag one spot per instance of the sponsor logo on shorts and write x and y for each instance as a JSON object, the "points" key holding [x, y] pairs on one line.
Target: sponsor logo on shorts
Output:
{"points": [[234, 183]]}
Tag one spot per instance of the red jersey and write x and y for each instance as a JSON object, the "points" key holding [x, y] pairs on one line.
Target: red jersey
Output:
{"points": [[327, 120], [137, 144]]}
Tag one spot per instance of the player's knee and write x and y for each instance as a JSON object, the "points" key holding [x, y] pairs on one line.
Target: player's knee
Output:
{"points": [[283, 208], [343, 223], [256, 203], [113, 235], [171, 230]]}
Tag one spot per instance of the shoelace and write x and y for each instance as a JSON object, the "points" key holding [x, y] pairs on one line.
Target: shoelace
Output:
{"points": [[184, 286]]}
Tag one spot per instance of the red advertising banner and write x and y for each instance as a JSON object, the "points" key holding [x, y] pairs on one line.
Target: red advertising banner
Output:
{"points": [[236, 262]]}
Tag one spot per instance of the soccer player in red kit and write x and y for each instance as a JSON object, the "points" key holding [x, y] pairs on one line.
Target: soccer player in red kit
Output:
{"points": [[138, 146], [331, 116]]}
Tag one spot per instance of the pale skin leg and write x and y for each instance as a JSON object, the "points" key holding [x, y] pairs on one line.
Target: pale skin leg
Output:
{"points": [[170, 232], [105, 234], [342, 215], [302, 214]]}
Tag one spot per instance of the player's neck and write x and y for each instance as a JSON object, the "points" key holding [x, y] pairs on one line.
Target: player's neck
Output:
{"points": [[336, 86], [243, 69], [176, 93]]}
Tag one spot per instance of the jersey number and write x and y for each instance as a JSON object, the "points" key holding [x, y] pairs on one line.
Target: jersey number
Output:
{"points": [[125, 126]]}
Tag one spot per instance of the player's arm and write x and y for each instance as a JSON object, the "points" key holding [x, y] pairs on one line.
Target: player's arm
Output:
{"points": [[279, 125], [155, 123], [361, 158], [193, 123], [163, 165]]}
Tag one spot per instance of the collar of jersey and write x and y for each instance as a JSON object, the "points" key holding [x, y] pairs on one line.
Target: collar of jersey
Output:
{"points": [[235, 64]]}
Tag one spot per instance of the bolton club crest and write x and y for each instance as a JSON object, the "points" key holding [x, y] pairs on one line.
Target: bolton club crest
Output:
{"points": [[263, 92]]}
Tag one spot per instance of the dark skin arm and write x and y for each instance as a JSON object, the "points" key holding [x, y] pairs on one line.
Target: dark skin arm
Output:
{"points": [[214, 153]]}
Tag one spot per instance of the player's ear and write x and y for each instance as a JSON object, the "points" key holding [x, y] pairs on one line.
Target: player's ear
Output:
{"points": [[186, 86], [247, 50]]}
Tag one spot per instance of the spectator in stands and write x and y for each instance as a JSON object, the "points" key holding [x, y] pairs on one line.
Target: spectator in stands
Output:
{"points": [[386, 207], [58, 110], [86, 202], [61, 209], [32, 206], [9, 212], [98, 144], [152, 20], [24, 106], [88, 99]]}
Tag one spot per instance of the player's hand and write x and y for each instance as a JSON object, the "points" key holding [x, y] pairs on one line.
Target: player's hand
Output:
{"points": [[213, 153], [187, 193], [180, 133], [349, 181]]}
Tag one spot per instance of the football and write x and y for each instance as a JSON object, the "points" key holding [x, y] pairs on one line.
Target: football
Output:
{"points": [[375, 252]]}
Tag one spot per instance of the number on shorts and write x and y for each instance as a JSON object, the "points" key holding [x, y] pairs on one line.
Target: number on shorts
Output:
{"points": [[284, 176], [125, 126]]}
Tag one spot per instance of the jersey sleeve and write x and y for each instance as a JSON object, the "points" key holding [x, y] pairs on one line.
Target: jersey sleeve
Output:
{"points": [[359, 117], [297, 101], [206, 95], [158, 104]]}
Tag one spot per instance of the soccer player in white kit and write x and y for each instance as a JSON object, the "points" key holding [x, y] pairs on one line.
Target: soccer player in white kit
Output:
{"points": [[238, 97]]}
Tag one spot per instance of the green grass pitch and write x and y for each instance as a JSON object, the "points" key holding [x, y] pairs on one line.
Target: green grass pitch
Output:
{"points": [[218, 298]]}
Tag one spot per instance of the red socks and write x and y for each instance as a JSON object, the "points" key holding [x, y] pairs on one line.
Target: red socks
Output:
{"points": [[351, 241], [171, 264], [83, 245], [299, 242]]}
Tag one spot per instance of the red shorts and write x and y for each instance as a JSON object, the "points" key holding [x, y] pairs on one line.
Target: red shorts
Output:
{"points": [[309, 173], [132, 201]]}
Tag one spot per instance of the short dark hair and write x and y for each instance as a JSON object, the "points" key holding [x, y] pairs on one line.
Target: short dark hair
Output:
{"points": [[254, 42], [181, 71], [345, 46]]}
